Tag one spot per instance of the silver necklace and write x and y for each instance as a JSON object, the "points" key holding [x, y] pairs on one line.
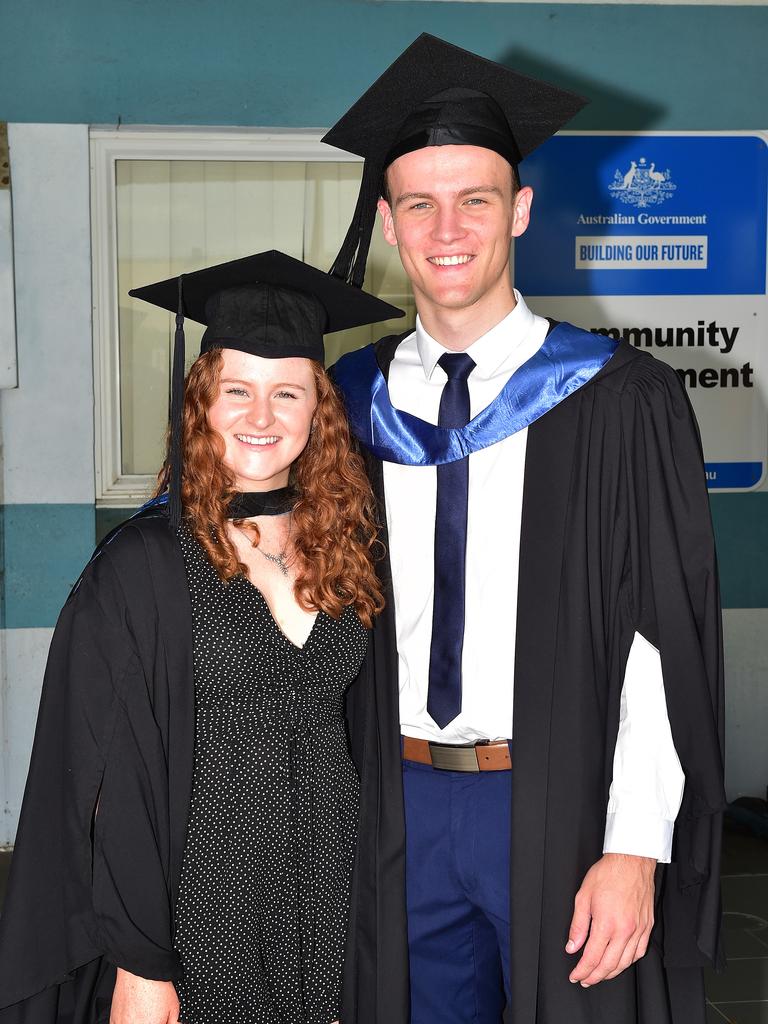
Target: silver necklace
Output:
{"points": [[279, 559]]}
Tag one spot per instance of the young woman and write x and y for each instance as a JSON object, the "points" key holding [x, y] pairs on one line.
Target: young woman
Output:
{"points": [[187, 836]]}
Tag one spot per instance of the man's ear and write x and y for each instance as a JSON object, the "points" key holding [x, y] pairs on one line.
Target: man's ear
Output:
{"points": [[521, 215], [387, 221]]}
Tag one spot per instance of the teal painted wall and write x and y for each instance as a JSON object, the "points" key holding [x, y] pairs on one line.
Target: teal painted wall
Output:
{"points": [[301, 62], [45, 549], [46, 546], [297, 63], [741, 532]]}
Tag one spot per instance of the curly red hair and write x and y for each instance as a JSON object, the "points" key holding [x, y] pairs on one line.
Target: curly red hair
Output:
{"points": [[334, 521]]}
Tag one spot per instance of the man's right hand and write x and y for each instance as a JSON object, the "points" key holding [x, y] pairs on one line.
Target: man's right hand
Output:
{"points": [[141, 1001]]}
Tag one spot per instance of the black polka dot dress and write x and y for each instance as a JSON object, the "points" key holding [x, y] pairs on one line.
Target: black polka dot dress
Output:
{"points": [[264, 890]]}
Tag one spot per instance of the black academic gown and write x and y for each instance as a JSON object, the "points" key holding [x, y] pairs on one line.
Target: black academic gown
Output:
{"points": [[616, 538], [98, 854]]}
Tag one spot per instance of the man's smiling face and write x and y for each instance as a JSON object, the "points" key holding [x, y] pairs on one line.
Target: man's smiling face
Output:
{"points": [[452, 214]]}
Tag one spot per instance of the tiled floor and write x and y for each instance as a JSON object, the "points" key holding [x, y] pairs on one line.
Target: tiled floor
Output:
{"points": [[740, 994]]}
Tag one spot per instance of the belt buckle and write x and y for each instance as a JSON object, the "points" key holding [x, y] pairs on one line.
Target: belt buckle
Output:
{"points": [[453, 759]]}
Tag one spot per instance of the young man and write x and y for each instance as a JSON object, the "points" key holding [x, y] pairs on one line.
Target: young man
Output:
{"points": [[547, 674]]}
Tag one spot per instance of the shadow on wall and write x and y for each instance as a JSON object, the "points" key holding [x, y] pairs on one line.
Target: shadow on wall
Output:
{"points": [[608, 107]]}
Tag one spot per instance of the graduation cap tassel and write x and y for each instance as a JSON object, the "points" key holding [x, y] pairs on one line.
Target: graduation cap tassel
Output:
{"points": [[342, 265], [177, 415], [349, 265]]}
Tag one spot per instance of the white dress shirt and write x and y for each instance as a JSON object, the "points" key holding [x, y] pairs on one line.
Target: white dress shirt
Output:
{"points": [[648, 780]]}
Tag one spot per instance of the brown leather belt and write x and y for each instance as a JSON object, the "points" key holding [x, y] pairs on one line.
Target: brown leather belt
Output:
{"points": [[481, 757]]}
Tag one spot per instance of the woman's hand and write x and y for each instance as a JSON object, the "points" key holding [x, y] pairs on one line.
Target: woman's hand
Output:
{"points": [[141, 1001]]}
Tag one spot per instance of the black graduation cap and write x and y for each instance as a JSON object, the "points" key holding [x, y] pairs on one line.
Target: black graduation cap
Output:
{"points": [[270, 305], [437, 94]]}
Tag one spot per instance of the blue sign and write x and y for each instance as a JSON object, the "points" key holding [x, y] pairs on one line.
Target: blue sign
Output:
{"points": [[645, 215], [733, 475]]}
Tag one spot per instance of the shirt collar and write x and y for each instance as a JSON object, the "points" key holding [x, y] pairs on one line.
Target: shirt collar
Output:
{"points": [[490, 350]]}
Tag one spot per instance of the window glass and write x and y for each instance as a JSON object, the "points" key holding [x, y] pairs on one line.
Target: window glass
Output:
{"points": [[176, 216]]}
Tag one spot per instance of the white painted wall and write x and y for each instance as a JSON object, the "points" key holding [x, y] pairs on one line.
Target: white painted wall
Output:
{"points": [[7, 299], [24, 655], [8, 822], [46, 423], [47, 430]]}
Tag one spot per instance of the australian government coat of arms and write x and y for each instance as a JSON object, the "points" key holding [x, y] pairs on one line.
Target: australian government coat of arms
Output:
{"points": [[641, 184]]}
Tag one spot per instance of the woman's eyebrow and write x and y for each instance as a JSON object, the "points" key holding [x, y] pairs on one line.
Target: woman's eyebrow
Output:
{"points": [[249, 383]]}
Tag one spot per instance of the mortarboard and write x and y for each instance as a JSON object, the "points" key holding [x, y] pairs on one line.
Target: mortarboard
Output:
{"points": [[269, 305], [437, 94]]}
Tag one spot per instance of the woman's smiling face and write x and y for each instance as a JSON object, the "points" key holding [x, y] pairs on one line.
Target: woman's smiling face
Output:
{"points": [[263, 413]]}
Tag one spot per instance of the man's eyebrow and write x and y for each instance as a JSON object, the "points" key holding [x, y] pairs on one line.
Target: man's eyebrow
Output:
{"points": [[471, 190], [491, 189], [407, 196]]}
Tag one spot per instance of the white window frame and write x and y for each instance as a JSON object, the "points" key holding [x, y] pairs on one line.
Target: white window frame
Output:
{"points": [[107, 145]]}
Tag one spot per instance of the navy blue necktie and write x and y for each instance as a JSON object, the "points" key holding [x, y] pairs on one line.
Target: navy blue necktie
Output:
{"points": [[444, 698]]}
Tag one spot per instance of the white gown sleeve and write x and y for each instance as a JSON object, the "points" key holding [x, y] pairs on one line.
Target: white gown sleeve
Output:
{"points": [[647, 786]]}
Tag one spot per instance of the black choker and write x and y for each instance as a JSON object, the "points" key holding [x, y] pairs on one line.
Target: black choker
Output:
{"points": [[262, 503]]}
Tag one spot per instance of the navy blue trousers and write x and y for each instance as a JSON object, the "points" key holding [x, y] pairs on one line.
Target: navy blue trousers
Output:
{"points": [[457, 827]]}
